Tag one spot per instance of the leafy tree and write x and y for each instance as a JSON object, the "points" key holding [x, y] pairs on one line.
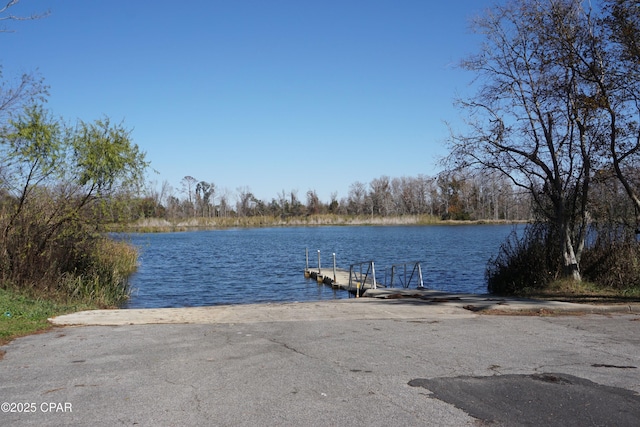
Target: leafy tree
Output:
{"points": [[31, 157], [56, 181], [104, 158]]}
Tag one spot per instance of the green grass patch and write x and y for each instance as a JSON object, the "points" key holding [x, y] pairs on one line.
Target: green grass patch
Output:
{"points": [[21, 314]]}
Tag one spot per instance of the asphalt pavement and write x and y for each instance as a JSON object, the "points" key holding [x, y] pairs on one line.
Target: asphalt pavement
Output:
{"points": [[373, 362]]}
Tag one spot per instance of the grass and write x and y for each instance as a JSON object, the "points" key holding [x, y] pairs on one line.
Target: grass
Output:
{"points": [[22, 315], [104, 281], [582, 292]]}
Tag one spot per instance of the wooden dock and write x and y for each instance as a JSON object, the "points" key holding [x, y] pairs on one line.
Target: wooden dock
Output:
{"points": [[341, 280], [362, 276]]}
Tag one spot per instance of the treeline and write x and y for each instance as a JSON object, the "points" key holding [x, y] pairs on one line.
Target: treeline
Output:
{"points": [[448, 195]]}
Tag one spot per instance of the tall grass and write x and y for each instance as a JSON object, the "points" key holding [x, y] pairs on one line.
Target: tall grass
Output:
{"points": [[93, 270], [153, 225], [104, 280]]}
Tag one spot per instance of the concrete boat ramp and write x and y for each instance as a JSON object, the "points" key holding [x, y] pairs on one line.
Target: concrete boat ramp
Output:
{"points": [[400, 357], [377, 304]]}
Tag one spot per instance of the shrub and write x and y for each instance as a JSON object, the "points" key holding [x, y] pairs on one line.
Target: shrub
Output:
{"points": [[524, 262], [613, 261]]}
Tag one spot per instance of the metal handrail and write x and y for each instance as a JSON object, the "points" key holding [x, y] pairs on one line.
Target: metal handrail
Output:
{"points": [[403, 279], [361, 278]]}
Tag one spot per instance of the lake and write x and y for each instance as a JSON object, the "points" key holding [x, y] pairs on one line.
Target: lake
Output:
{"points": [[240, 266]]}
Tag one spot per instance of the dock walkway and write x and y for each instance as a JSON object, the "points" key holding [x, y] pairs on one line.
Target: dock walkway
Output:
{"points": [[339, 279], [361, 276]]}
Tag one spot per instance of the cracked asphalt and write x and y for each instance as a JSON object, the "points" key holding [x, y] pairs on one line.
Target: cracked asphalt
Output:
{"points": [[390, 369]]}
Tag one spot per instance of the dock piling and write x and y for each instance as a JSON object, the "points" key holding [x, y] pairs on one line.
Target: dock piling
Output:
{"points": [[307, 273], [334, 267]]}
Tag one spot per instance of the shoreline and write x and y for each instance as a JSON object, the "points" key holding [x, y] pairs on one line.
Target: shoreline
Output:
{"points": [[158, 225]]}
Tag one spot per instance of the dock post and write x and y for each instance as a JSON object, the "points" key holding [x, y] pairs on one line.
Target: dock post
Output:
{"points": [[406, 284], [334, 267], [373, 274], [307, 273], [319, 270], [393, 269]]}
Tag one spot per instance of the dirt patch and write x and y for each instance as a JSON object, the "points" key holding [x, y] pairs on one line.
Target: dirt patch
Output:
{"points": [[537, 312], [583, 298]]}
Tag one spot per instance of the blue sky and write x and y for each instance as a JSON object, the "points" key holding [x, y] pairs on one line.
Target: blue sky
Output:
{"points": [[271, 95]]}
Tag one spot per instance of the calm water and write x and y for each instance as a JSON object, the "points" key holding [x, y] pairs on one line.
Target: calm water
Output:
{"points": [[266, 264]]}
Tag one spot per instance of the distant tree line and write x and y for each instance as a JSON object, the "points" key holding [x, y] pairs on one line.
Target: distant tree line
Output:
{"points": [[449, 195]]}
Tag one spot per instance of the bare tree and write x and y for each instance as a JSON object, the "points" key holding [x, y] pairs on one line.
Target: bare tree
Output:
{"points": [[333, 204], [381, 197], [188, 186], [295, 205], [356, 198], [607, 67], [314, 206], [245, 201], [523, 121], [29, 88], [6, 15], [223, 203], [205, 192]]}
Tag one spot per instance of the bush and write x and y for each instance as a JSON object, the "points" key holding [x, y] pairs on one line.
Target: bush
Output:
{"points": [[610, 261], [613, 261], [524, 263], [47, 252]]}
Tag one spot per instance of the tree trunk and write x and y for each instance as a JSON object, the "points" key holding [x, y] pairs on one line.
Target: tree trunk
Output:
{"points": [[571, 265]]}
